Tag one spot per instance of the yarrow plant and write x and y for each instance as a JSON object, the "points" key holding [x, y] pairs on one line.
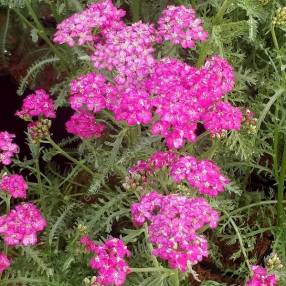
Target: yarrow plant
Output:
{"points": [[14, 185], [36, 105], [21, 225], [174, 221], [173, 92], [83, 124], [203, 175], [8, 149], [109, 260], [261, 277]]}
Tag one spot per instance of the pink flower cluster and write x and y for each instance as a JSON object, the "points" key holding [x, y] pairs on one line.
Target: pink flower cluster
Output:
{"points": [[173, 223], [128, 50], [37, 104], [84, 27], [222, 117], [7, 148], [4, 262], [180, 26], [83, 124], [131, 105], [88, 91], [185, 95], [109, 260], [21, 225], [203, 175], [15, 185], [261, 277], [168, 94]]}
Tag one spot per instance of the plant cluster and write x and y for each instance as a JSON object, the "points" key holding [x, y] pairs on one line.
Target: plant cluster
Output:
{"points": [[156, 179]]}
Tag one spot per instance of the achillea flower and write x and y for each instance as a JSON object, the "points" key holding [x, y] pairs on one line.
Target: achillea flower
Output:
{"points": [[128, 51], [84, 125], [21, 225], [222, 117], [7, 148], [173, 222], [109, 260], [14, 185], [80, 28], [180, 26], [4, 262], [37, 104], [132, 106], [203, 175], [88, 91], [261, 277]]}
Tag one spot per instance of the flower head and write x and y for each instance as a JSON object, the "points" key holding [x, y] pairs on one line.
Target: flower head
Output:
{"points": [[173, 222], [109, 260], [21, 225], [80, 28], [261, 277], [7, 148], [37, 104], [84, 125], [180, 26], [15, 185]]}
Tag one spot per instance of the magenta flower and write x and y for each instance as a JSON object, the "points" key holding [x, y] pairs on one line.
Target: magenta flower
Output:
{"points": [[261, 277], [21, 225], [222, 117], [4, 262], [109, 260], [37, 104], [180, 26], [203, 175], [14, 185], [84, 125], [79, 29], [7, 148], [173, 222], [128, 51], [88, 91]]}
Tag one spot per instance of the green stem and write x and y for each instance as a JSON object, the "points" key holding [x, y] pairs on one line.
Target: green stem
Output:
{"points": [[65, 154], [38, 171], [175, 278], [216, 21], [8, 203], [240, 240], [150, 269], [135, 10], [281, 183], [40, 29], [219, 16], [150, 248], [275, 42]]}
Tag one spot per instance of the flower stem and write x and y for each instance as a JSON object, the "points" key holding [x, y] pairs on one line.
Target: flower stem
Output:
{"points": [[150, 247], [275, 42], [135, 10], [175, 278], [240, 240], [151, 269], [280, 194], [8, 203], [65, 154], [38, 171], [40, 29]]}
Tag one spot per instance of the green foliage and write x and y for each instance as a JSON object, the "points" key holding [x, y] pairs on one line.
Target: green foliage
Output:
{"points": [[76, 202]]}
